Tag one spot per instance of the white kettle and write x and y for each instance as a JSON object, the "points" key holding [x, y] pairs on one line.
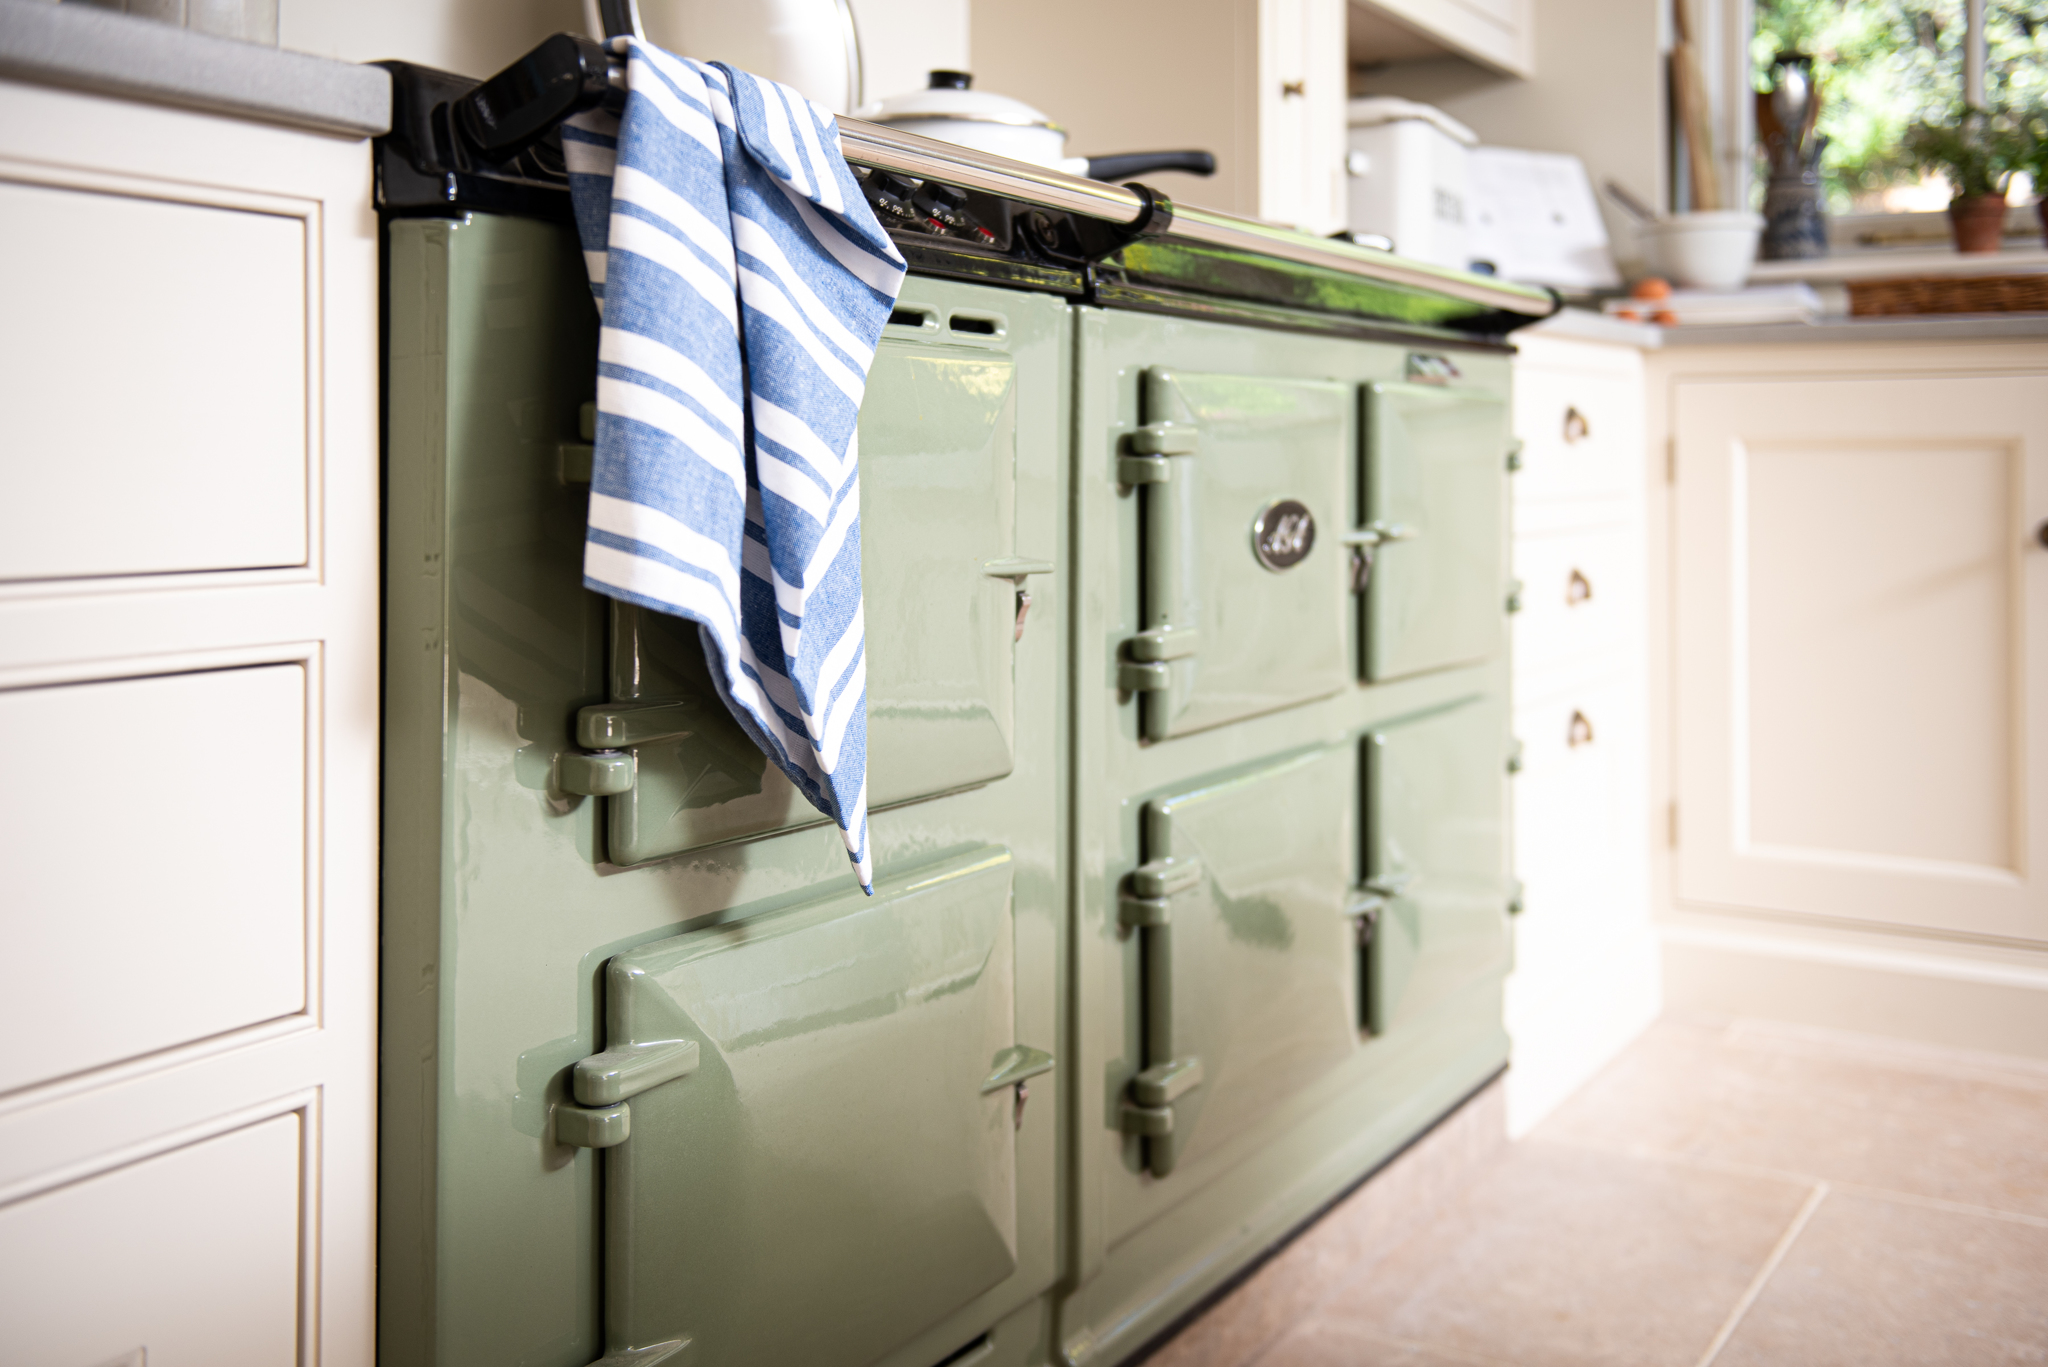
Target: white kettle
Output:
{"points": [[811, 45]]}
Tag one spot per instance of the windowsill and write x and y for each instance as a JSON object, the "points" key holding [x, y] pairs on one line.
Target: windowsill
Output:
{"points": [[1872, 265]]}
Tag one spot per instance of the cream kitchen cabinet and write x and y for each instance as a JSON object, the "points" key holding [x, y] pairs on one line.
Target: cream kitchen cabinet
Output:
{"points": [[188, 671], [1586, 971], [1499, 34], [1261, 83], [1858, 695]]}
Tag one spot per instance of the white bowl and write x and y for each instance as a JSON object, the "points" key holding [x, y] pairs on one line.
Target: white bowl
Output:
{"points": [[1711, 250]]}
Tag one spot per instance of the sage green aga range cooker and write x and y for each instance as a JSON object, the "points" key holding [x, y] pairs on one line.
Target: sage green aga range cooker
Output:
{"points": [[1187, 736]]}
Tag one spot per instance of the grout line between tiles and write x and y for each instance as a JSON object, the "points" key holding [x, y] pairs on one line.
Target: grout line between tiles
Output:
{"points": [[1763, 1274], [1734, 1169]]}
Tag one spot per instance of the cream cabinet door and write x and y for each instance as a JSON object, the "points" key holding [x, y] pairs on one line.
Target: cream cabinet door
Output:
{"points": [[1862, 648], [1301, 114]]}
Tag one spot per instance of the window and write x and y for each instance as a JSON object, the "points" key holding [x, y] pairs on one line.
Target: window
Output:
{"points": [[1881, 65]]}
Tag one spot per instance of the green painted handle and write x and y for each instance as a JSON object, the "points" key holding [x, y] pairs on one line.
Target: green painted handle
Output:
{"points": [[616, 1074]]}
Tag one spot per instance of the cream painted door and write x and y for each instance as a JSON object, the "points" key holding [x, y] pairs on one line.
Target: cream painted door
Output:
{"points": [[1301, 113], [1862, 649]]}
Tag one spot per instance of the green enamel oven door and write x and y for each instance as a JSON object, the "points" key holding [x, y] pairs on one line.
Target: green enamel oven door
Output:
{"points": [[1244, 582], [1247, 960], [1435, 533], [723, 1097], [1434, 904], [839, 1168], [943, 584]]}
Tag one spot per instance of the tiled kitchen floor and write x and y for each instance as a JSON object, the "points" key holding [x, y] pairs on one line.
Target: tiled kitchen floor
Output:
{"points": [[1739, 1194]]}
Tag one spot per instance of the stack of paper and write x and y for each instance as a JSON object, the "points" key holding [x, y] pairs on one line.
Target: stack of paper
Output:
{"points": [[1736, 308]]}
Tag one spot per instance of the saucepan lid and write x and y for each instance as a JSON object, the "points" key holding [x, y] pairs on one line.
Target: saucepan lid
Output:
{"points": [[951, 96]]}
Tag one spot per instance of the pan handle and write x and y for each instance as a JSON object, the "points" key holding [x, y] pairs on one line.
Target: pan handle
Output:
{"points": [[1126, 165]]}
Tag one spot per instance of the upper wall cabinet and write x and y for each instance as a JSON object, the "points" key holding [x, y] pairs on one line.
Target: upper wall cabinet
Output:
{"points": [[1499, 34], [1260, 83]]}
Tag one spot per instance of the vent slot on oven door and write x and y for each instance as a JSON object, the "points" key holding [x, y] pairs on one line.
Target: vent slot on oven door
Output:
{"points": [[945, 594]]}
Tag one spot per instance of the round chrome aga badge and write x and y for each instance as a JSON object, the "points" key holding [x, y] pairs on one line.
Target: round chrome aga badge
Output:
{"points": [[1283, 534]]}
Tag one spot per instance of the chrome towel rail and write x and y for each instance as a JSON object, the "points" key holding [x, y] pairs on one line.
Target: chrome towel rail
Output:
{"points": [[891, 149]]}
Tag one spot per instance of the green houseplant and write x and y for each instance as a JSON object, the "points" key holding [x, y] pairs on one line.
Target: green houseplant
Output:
{"points": [[1977, 151]]}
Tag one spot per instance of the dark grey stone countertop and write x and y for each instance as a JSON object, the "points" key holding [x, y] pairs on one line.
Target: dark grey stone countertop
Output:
{"points": [[141, 59]]}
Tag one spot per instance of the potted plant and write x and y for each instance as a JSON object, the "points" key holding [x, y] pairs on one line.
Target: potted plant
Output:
{"points": [[1977, 152]]}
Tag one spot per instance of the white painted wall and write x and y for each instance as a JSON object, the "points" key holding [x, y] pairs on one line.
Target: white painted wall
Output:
{"points": [[900, 40], [1597, 93]]}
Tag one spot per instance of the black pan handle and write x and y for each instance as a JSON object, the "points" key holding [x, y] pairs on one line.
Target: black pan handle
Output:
{"points": [[1125, 165]]}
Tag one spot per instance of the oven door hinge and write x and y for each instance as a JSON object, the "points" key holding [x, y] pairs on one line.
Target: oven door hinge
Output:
{"points": [[603, 1083]]}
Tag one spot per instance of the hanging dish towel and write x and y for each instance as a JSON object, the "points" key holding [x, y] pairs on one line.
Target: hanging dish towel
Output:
{"points": [[743, 282]]}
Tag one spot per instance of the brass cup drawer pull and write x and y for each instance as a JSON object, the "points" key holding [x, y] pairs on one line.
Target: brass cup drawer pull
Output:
{"points": [[1576, 428], [1577, 588], [1579, 731]]}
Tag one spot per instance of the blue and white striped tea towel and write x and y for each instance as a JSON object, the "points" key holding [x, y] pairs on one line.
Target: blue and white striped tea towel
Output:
{"points": [[744, 283]]}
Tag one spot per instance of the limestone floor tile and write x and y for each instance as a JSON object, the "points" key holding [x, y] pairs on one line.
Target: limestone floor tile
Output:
{"points": [[1346, 1240], [1873, 1283], [1970, 1136], [1323, 1342], [1575, 1257]]}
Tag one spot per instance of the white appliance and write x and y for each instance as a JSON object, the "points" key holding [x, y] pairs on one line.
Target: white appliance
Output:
{"points": [[1409, 178], [1534, 220]]}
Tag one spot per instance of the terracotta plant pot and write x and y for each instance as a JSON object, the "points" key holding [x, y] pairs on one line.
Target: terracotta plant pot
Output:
{"points": [[1978, 222]]}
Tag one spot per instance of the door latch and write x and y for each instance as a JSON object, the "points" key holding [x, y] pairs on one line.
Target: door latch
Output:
{"points": [[1014, 1067], [1365, 544], [1017, 571]]}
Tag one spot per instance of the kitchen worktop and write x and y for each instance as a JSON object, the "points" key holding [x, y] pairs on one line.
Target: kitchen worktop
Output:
{"points": [[142, 59], [1583, 325], [1972, 327]]}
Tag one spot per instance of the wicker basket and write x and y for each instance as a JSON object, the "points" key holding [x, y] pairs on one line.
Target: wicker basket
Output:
{"points": [[1948, 294]]}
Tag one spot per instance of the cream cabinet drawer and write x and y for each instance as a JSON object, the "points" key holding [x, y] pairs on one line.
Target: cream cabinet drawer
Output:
{"points": [[153, 844], [188, 1259], [1581, 434], [1579, 803], [1581, 595], [154, 370]]}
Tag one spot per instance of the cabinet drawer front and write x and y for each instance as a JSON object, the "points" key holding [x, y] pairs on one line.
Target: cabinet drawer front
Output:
{"points": [[1581, 594], [156, 866], [832, 1178], [1436, 848], [1579, 799], [1252, 973], [1581, 434], [1244, 574], [1435, 459], [154, 370], [938, 457], [189, 1259]]}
